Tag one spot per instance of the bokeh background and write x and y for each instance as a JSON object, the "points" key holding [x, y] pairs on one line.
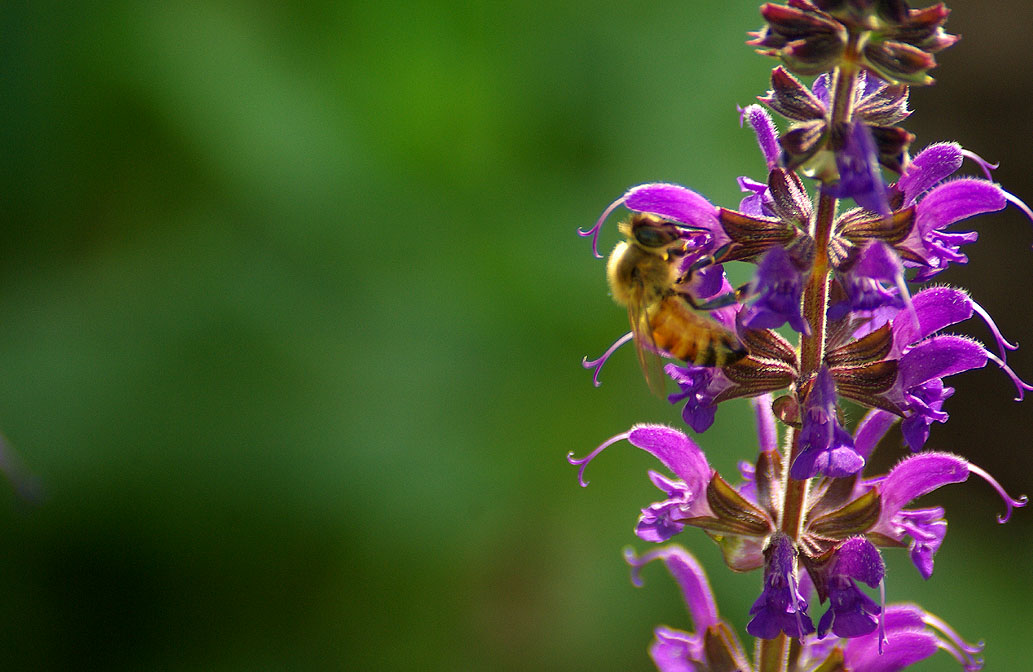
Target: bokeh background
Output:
{"points": [[291, 310]]}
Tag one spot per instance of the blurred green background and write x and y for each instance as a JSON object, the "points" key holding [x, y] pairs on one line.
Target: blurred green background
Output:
{"points": [[291, 310]]}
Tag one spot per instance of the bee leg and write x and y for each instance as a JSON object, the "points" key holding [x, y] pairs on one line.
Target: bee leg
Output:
{"points": [[702, 263], [713, 304], [716, 257], [737, 296]]}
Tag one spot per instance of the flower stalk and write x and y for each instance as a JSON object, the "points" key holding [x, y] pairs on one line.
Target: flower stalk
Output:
{"points": [[773, 653]]}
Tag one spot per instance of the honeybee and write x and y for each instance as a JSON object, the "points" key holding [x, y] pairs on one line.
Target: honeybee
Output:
{"points": [[643, 275]]}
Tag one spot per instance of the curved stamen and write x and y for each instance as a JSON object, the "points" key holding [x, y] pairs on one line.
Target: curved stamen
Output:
{"points": [[594, 231], [1002, 343], [597, 364], [953, 644], [1009, 501], [583, 462], [1020, 385], [637, 562], [1018, 203], [983, 163]]}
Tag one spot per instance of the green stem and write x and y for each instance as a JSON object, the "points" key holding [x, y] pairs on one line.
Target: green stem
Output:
{"points": [[772, 654]]}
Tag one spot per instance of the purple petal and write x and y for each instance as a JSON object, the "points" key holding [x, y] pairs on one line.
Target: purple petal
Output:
{"points": [[779, 286], [821, 88], [956, 200], [919, 475], [661, 521], [690, 577], [865, 283], [699, 387], [936, 308], [858, 559], [871, 429], [676, 451], [764, 128], [675, 651], [676, 203], [767, 432], [859, 174], [780, 607], [938, 357], [826, 447], [929, 167], [904, 649]]}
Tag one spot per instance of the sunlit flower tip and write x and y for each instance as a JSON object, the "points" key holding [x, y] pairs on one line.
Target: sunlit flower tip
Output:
{"points": [[764, 128], [912, 635], [699, 387], [597, 364], [778, 285], [781, 607], [826, 447], [857, 161], [851, 613], [676, 203], [687, 573]]}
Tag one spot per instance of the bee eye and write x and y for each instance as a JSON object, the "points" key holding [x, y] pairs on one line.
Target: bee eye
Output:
{"points": [[652, 236]]}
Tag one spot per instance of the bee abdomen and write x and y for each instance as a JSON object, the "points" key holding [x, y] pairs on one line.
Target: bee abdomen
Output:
{"points": [[694, 338]]}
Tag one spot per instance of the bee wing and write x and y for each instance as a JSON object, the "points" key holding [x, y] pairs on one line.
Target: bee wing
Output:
{"points": [[646, 350]]}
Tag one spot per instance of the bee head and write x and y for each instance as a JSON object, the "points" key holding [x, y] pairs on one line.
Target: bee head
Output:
{"points": [[651, 232]]}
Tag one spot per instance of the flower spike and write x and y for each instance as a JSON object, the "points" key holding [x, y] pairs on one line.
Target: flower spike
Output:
{"points": [[837, 311]]}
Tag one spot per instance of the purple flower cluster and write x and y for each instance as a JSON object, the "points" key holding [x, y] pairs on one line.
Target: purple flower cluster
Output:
{"points": [[847, 285]]}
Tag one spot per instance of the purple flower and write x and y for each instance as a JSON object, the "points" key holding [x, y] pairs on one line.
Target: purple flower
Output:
{"points": [[911, 635], [699, 387], [686, 498], [826, 447], [851, 613], [939, 204], [672, 202], [778, 284], [678, 651], [874, 282], [913, 477], [859, 175], [924, 359], [781, 607]]}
